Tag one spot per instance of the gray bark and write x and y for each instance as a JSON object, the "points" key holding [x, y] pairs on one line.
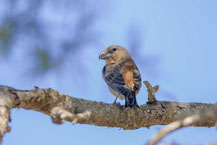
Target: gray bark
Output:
{"points": [[65, 108]]}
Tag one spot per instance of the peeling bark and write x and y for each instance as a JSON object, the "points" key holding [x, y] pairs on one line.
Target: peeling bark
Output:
{"points": [[65, 108]]}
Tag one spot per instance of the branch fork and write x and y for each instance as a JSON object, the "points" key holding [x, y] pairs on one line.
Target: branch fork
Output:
{"points": [[151, 92]]}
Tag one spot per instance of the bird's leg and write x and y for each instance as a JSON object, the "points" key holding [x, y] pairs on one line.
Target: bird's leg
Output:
{"points": [[116, 99], [130, 101]]}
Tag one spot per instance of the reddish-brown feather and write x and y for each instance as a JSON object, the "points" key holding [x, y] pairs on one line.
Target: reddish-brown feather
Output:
{"points": [[127, 73], [128, 78]]}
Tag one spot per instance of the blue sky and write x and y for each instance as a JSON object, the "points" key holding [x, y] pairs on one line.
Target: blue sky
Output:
{"points": [[182, 34]]}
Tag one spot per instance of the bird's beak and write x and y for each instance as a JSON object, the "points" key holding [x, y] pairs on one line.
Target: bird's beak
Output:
{"points": [[103, 55]]}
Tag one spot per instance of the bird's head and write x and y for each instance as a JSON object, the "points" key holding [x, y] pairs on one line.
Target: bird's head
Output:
{"points": [[114, 54]]}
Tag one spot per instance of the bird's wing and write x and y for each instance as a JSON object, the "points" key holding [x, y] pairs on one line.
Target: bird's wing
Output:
{"points": [[124, 78], [131, 76], [136, 79], [115, 80]]}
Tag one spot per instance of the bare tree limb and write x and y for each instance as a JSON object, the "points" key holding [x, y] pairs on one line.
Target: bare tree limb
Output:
{"points": [[65, 108], [188, 121]]}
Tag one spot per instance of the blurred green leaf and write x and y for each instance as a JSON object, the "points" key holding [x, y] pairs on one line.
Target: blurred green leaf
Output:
{"points": [[7, 35], [52, 41]]}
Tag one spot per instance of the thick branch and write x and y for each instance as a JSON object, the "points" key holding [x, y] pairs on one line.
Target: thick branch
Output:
{"points": [[65, 108]]}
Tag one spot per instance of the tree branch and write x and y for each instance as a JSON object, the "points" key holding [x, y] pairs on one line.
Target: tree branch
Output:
{"points": [[65, 108], [188, 121]]}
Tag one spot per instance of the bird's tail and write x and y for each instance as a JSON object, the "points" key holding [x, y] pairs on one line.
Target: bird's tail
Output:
{"points": [[130, 100]]}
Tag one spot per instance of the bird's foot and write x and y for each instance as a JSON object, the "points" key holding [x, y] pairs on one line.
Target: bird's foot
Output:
{"points": [[131, 106], [115, 100]]}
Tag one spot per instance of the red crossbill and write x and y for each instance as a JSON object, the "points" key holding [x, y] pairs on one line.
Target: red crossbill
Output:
{"points": [[121, 74]]}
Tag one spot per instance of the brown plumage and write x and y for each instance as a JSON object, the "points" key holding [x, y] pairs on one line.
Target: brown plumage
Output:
{"points": [[121, 74]]}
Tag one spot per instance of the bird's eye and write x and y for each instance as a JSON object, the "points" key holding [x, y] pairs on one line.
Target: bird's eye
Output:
{"points": [[114, 49]]}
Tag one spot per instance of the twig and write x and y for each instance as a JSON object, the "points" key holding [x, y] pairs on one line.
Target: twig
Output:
{"points": [[151, 92], [188, 121]]}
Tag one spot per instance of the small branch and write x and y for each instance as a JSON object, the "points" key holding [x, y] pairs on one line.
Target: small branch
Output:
{"points": [[188, 121], [59, 115], [151, 92], [5, 106], [4, 119]]}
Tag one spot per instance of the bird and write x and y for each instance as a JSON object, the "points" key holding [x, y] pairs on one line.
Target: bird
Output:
{"points": [[121, 74]]}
